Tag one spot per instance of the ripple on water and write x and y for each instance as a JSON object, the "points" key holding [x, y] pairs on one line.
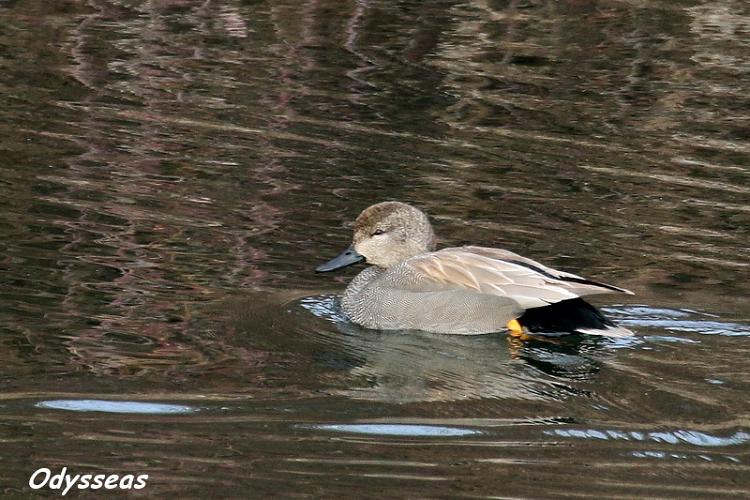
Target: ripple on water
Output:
{"points": [[676, 320], [681, 456], [695, 438], [410, 430], [105, 406], [323, 306]]}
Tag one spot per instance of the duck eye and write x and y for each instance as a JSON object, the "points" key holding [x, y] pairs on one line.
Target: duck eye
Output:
{"points": [[378, 232]]}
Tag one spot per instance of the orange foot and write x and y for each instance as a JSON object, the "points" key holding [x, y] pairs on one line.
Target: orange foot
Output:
{"points": [[516, 330]]}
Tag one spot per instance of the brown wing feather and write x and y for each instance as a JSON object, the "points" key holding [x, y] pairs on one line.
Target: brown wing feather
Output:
{"points": [[499, 272], [500, 254]]}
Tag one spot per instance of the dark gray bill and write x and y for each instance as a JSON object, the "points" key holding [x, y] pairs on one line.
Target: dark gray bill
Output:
{"points": [[345, 258]]}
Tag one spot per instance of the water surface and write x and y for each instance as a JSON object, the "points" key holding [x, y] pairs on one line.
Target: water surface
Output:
{"points": [[173, 171]]}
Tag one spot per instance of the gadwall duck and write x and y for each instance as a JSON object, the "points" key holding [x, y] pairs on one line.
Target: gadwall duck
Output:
{"points": [[461, 290]]}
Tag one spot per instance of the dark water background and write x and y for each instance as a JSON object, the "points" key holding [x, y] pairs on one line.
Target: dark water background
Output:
{"points": [[172, 171]]}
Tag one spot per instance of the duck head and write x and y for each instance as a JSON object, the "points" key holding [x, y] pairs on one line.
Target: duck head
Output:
{"points": [[384, 235]]}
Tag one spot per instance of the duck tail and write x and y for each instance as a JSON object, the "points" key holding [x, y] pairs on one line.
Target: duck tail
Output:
{"points": [[571, 316]]}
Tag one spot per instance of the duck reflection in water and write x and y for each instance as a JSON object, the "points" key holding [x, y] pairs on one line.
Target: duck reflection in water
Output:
{"points": [[416, 366]]}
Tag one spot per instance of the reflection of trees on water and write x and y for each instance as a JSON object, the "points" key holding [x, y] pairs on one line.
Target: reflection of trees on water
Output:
{"points": [[169, 241], [208, 132]]}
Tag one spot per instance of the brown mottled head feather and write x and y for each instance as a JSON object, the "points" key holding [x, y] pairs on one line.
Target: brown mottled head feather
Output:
{"points": [[378, 212], [389, 232]]}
